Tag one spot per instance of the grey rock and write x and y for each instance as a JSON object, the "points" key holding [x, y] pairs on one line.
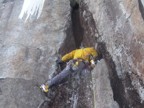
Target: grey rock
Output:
{"points": [[103, 94], [20, 93], [118, 30], [28, 51], [28, 48]]}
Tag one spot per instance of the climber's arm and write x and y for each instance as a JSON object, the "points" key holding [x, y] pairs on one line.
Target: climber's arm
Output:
{"points": [[68, 56]]}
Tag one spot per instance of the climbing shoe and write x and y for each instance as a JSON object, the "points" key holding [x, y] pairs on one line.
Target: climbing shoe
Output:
{"points": [[44, 88]]}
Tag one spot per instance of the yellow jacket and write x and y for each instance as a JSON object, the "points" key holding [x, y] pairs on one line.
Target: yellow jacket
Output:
{"points": [[83, 53]]}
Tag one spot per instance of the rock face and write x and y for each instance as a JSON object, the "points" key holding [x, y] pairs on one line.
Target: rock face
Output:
{"points": [[103, 94], [28, 51], [27, 47], [19, 93], [119, 31]]}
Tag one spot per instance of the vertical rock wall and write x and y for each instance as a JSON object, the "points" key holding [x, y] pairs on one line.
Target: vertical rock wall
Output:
{"points": [[119, 27], [25, 47], [28, 50], [103, 94]]}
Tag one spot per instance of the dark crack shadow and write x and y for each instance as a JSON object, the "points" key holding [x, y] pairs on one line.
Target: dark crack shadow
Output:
{"points": [[77, 29], [73, 86], [123, 91], [116, 84], [141, 8]]}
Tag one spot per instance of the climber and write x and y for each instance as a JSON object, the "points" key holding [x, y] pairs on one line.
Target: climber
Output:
{"points": [[77, 60]]}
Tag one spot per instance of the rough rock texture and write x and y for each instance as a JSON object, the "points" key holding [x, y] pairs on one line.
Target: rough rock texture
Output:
{"points": [[119, 31], [28, 50], [27, 47], [103, 94], [76, 92], [19, 93], [28, 53]]}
